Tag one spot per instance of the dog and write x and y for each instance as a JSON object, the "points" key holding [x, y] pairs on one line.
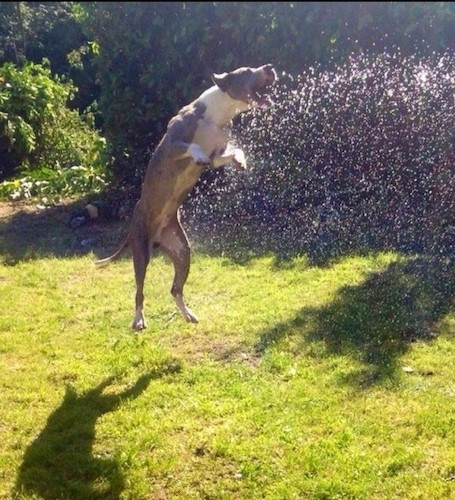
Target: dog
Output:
{"points": [[98, 210], [196, 138]]}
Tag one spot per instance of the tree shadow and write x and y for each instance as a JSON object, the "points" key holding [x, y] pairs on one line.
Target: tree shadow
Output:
{"points": [[376, 321], [60, 463]]}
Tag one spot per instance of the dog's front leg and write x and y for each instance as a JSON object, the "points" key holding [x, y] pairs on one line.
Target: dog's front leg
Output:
{"points": [[181, 150], [231, 155]]}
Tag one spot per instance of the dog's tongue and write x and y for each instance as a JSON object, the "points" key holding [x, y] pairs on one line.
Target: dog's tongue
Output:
{"points": [[264, 101]]}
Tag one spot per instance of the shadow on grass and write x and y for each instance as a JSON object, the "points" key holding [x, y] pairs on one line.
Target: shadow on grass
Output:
{"points": [[374, 322], [59, 463], [27, 232]]}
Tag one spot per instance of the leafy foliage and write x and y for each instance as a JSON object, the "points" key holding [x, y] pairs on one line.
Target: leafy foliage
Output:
{"points": [[39, 133], [50, 185], [148, 70], [33, 31]]}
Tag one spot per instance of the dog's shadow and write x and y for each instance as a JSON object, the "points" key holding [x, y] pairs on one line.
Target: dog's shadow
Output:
{"points": [[59, 463], [375, 322]]}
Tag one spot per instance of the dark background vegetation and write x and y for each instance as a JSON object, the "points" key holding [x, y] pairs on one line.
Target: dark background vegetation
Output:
{"points": [[133, 65], [141, 61]]}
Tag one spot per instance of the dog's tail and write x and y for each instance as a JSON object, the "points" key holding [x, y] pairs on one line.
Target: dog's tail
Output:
{"points": [[114, 256]]}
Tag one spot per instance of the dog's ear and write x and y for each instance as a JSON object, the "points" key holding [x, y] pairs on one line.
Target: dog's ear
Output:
{"points": [[222, 80]]}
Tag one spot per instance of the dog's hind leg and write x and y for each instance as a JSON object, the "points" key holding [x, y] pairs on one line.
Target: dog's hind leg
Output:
{"points": [[174, 243], [141, 258]]}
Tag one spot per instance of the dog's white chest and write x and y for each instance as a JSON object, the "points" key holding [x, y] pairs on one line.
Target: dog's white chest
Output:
{"points": [[210, 137]]}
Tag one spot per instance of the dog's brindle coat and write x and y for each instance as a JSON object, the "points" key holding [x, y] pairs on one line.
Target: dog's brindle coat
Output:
{"points": [[196, 138]]}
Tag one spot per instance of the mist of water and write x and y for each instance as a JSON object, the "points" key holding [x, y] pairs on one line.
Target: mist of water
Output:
{"points": [[355, 159]]}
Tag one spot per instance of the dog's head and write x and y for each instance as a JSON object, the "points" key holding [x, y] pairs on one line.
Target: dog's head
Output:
{"points": [[250, 85]]}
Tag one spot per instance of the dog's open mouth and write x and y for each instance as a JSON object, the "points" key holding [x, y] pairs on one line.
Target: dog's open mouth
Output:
{"points": [[261, 97], [260, 93], [249, 85]]}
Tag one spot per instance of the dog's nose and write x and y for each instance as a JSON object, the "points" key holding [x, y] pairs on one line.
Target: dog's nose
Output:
{"points": [[269, 71]]}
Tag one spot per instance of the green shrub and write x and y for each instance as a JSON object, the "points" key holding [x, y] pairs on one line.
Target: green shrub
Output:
{"points": [[147, 71], [43, 141], [49, 185]]}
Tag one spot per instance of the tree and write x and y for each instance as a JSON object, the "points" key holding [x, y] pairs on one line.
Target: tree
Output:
{"points": [[33, 31], [147, 70]]}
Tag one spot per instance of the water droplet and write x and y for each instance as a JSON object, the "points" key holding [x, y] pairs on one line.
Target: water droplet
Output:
{"points": [[355, 158]]}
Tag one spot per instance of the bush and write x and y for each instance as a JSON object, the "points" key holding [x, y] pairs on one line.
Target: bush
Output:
{"points": [[147, 71], [41, 139]]}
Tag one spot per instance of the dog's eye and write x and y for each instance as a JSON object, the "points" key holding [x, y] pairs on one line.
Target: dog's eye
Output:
{"points": [[244, 71]]}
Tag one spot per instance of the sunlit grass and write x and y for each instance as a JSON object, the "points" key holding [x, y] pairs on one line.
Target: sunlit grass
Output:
{"points": [[298, 382]]}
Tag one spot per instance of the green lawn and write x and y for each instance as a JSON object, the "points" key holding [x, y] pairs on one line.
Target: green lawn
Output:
{"points": [[299, 381]]}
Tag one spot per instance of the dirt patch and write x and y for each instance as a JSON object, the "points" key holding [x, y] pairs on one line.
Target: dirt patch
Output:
{"points": [[29, 230], [228, 350], [7, 209]]}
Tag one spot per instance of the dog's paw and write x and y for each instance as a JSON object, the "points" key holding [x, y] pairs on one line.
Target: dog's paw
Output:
{"points": [[138, 327], [190, 317], [198, 155], [239, 160], [185, 311], [139, 322], [203, 161]]}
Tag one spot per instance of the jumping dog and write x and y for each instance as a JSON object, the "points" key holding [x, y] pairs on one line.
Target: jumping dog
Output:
{"points": [[196, 138]]}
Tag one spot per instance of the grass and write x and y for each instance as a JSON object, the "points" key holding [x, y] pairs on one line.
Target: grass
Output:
{"points": [[300, 381]]}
